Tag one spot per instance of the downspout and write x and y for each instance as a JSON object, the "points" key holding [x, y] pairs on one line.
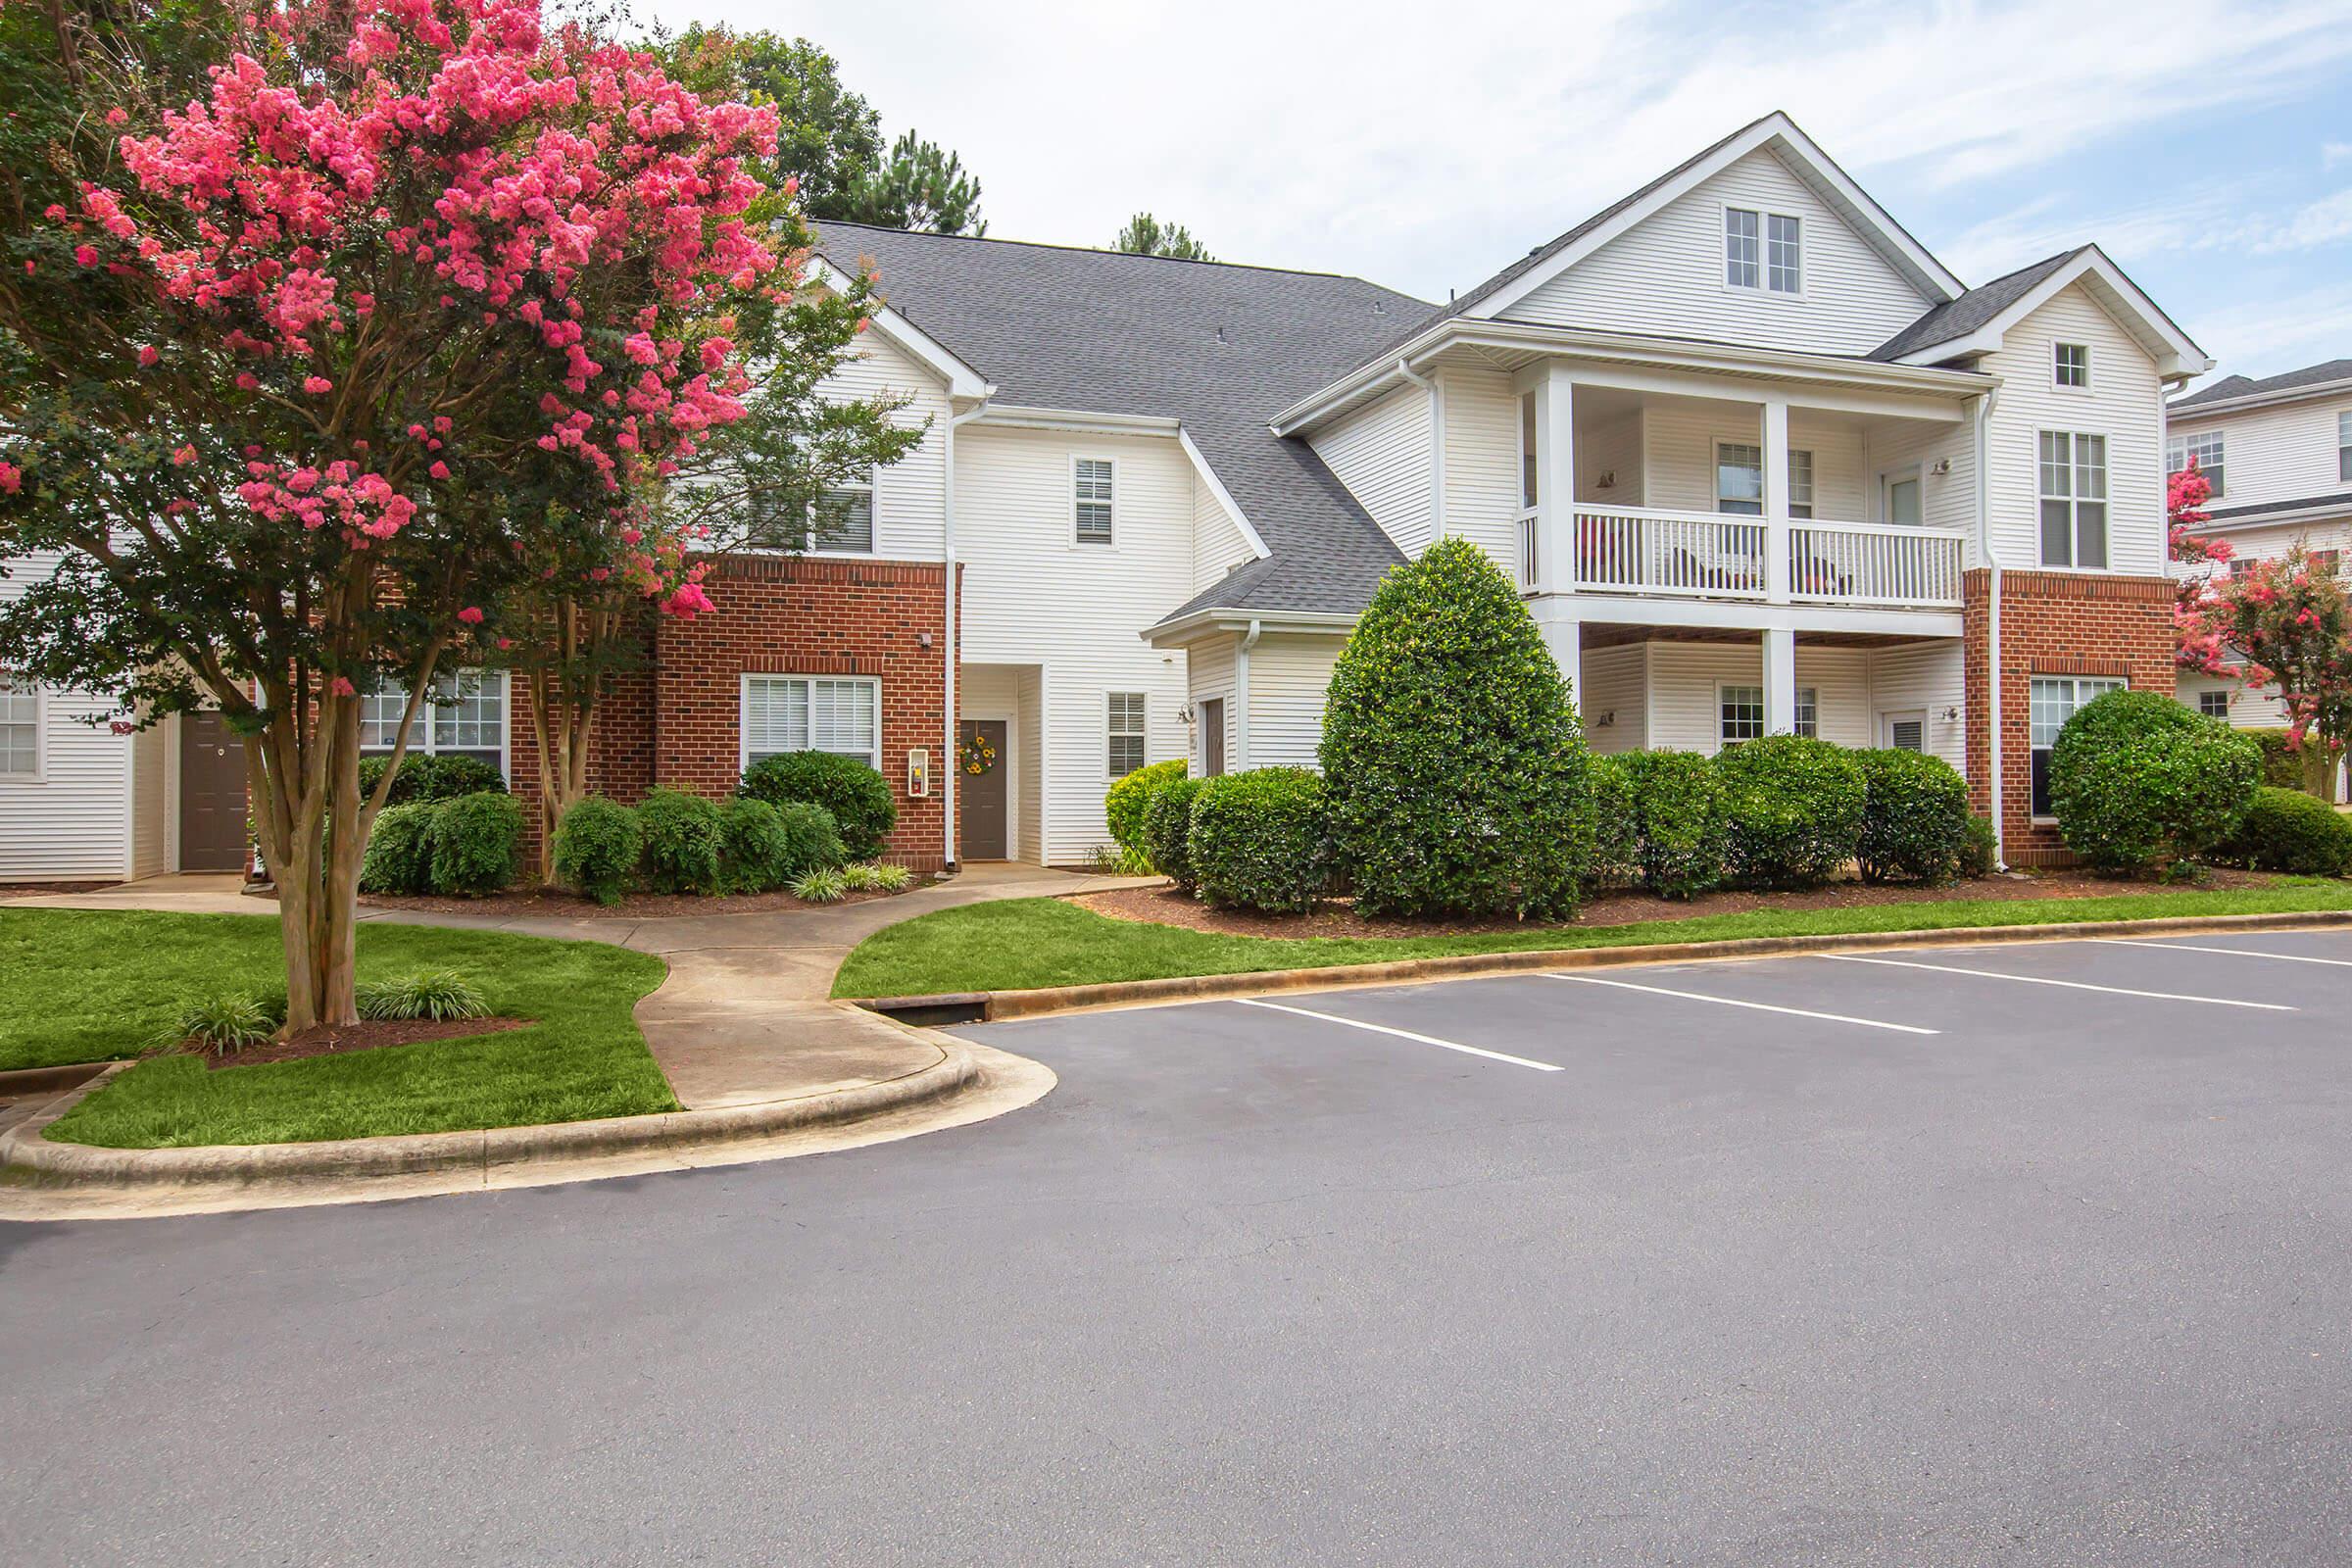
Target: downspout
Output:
{"points": [[1437, 447], [948, 768], [1240, 694], [1992, 638]]}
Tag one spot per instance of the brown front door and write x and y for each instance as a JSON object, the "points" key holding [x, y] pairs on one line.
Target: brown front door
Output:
{"points": [[980, 797], [212, 795], [1212, 737]]}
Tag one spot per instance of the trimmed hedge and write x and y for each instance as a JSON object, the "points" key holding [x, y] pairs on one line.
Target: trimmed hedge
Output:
{"points": [[811, 840], [858, 797], [1616, 825], [2282, 762], [2135, 775], [680, 841], [2287, 830], [596, 845], [752, 845], [1914, 816], [1977, 849], [476, 843], [399, 857], [1126, 802], [431, 778], [1677, 805], [1257, 839], [1792, 809], [1167, 830], [1455, 763]]}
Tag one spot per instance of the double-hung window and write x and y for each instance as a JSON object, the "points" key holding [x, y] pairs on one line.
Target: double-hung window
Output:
{"points": [[2074, 499], [1782, 272], [2070, 364], [2053, 701], [1124, 733], [1809, 712], [1763, 250], [837, 713], [1741, 712], [463, 714], [2343, 446], [840, 521], [1091, 500], [1742, 248], [19, 728], [1739, 478], [1800, 484], [2214, 703], [2206, 447], [1529, 490]]}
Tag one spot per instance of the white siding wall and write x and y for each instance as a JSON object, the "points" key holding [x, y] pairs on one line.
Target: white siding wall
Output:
{"points": [[151, 800], [1380, 453], [1946, 500], [1481, 462], [908, 507], [2123, 403], [1287, 679], [1031, 596], [1610, 448], [1029, 786], [1217, 542], [1666, 274], [73, 822], [2250, 706], [1930, 676], [1209, 676], [1684, 710], [1615, 684], [2284, 453]]}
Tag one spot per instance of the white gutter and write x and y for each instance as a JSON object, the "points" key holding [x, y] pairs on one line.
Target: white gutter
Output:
{"points": [[1240, 693], [948, 769], [1992, 639], [2317, 391], [1024, 417], [1437, 446]]}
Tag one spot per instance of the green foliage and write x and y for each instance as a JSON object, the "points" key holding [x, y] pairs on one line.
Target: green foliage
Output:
{"points": [[399, 858], [1124, 804], [597, 847], [921, 186], [476, 843], [1257, 840], [681, 836], [221, 1024], [827, 137], [430, 779], [1455, 767], [1146, 236], [1677, 809], [1616, 825], [858, 796], [877, 876], [2287, 830], [1978, 852], [811, 842], [1792, 810], [1167, 830], [753, 846], [1914, 816], [434, 994], [825, 885], [2134, 775], [2282, 762]]}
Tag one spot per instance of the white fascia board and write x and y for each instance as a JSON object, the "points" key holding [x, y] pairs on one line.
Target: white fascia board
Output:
{"points": [[2286, 518], [1217, 487], [1777, 130], [2317, 391], [2175, 354], [1213, 621], [964, 382], [1029, 418], [1639, 610]]}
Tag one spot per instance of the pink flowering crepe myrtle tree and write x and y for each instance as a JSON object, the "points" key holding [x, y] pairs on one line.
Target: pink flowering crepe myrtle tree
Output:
{"points": [[307, 381], [2288, 623]]}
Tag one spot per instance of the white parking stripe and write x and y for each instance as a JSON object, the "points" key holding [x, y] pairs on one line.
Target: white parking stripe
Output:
{"points": [[1734, 1001], [2235, 953], [2042, 980], [1403, 1033]]}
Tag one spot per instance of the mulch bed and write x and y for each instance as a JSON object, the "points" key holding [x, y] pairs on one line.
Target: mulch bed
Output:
{"points": [[632, 907], [365, 1035], [12, 890], [1331, 917]]}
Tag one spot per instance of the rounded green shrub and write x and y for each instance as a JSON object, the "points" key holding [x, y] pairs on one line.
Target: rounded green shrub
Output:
{"points": [[812, 841], [753, 846], [1126, 802], [431, 778], [1257, 840], [2287, 830], [1616, 825], [1455, 764], [597, 847], [680, 836], [1914, 816], [476, 843], [399, 857], [858, 797], [1167, 830], [2135, 775], [1677, 809], [1978, 852], [1792, 810]]}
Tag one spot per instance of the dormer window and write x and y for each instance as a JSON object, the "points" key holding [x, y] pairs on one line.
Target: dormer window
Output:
{"points": [[1763, 250], [2071, 365]]}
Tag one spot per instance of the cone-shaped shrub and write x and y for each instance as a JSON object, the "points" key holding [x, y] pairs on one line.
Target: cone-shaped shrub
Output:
{"points": [[1454, 767]]}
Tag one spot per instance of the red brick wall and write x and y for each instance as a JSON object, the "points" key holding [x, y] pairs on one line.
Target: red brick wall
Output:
{"points": [[620, 753], [807, 616], [2053, 623]]}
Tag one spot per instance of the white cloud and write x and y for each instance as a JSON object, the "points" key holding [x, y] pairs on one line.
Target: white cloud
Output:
{"points": [[2264, 337], [2334, 153], [2326, 222]]}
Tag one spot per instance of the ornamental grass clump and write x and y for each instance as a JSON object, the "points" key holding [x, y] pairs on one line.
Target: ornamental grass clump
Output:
{"points": [[1454, 762], [825, 885], [436, 994], [221, 1024], [877, 876]]}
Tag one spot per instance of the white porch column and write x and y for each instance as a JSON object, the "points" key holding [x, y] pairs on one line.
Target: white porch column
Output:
{"points": [[1780, 682], [1776, 501], [1566, 639], [1555, 485]]}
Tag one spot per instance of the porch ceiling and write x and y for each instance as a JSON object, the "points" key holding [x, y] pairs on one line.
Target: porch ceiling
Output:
{"points": [[1618, 634]]}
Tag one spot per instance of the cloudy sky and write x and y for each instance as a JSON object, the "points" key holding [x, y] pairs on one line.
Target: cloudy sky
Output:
{"points": [[2207, 145]]}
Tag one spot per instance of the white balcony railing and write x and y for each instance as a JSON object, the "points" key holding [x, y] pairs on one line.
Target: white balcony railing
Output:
{"points": [[1873, 563]]}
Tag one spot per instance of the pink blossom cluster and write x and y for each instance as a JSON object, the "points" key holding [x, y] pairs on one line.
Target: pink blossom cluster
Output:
{"points": [[363, 504]]}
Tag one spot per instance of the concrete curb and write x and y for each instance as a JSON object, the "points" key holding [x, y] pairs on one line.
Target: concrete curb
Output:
{"points": [[20, 1081], [994, 1005], [27, 1158]]}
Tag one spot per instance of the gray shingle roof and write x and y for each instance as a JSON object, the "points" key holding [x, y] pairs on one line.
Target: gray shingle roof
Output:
{"points": [[2239, 386], [1956, 318], [1220, 347], [2256, 511]]}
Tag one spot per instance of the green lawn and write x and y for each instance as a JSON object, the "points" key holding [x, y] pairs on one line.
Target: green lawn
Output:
{"points": [[86, 984], [1026, 942]]}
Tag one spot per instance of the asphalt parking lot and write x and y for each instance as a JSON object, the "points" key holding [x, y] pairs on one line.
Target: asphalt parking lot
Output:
{"points": [[2018, 1254]]}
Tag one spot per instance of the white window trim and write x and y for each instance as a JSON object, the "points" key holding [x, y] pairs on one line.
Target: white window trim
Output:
{"points": [[1762, 285], [2089, 374], [421, 744], [1070, 495], [1715, 447], [2182, 441], [742, 703], [2343, 446], [2122, 683], [40, 739], [1763, 711], [2222, 692], [2073, 499], [1108, 734]]}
